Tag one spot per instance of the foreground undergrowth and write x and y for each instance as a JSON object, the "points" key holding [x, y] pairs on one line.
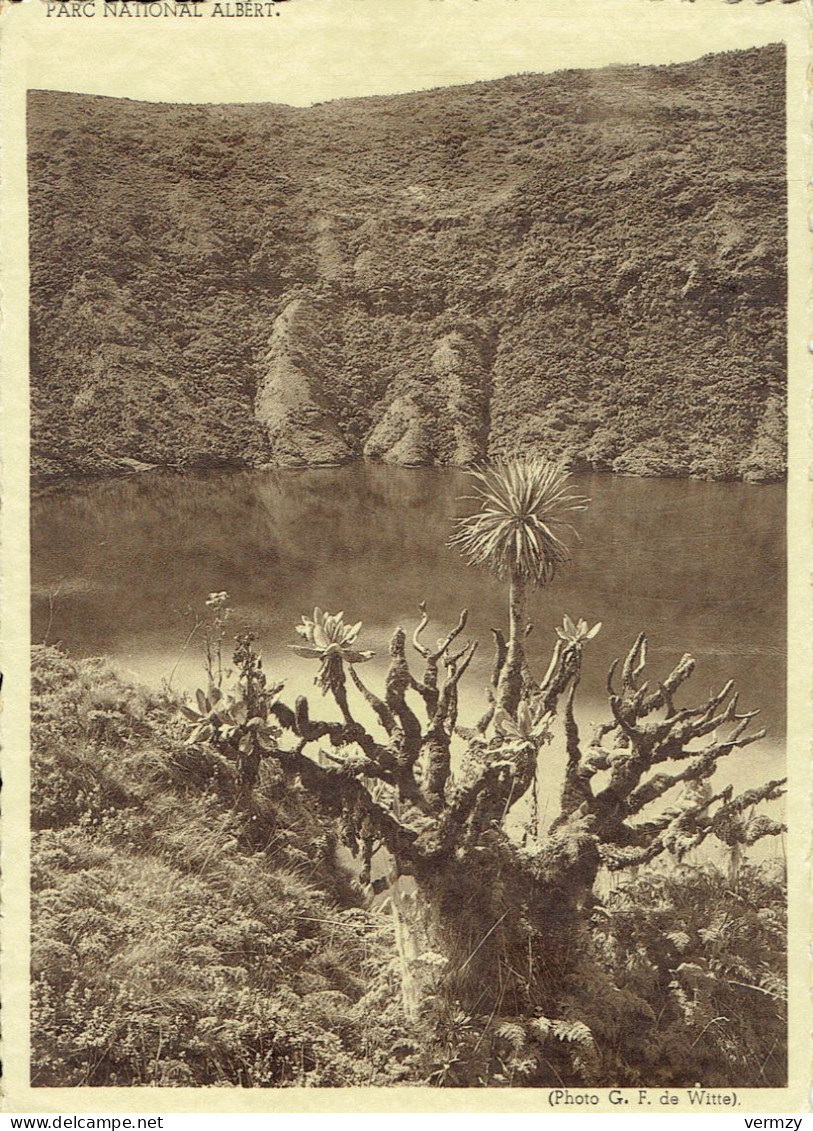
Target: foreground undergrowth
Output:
{"points": [[188, 933]]}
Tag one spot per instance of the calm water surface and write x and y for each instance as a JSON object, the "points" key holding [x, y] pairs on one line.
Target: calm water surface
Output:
{"points": [[699, 566]]}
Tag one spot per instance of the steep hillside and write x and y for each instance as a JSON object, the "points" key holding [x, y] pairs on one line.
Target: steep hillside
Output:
{"points": [[184, 933], [589, 263]]}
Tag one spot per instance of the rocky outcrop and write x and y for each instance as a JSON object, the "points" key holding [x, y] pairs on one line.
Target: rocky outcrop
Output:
{"points": [[440, 417], [461, 369], [289, 401], [402, 435]]}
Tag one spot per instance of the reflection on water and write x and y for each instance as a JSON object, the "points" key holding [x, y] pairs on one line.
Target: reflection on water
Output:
{"points": [[699, 566]]}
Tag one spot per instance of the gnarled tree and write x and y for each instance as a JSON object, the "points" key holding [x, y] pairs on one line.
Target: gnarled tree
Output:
{"points": [[489, 923]]}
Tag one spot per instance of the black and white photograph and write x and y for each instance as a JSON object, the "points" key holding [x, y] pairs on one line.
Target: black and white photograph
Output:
{"points": [[409, 586]]}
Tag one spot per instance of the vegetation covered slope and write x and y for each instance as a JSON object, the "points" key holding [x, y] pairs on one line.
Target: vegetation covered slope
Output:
{"points": [[185, 933], [590, 263]]}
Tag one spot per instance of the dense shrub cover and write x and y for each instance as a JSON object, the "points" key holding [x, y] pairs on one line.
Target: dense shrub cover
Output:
{"points": [[178, 938], [684, 978], [589, 263]]}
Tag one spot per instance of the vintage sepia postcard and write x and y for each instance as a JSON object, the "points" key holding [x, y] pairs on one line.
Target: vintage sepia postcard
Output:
{"points": [[405, 623]]}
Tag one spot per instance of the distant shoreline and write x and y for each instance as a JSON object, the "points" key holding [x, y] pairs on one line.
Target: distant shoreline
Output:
{"points": [[42, 485]]}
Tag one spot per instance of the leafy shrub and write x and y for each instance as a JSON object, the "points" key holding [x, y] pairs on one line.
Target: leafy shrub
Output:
{"points": [[683, 978]]}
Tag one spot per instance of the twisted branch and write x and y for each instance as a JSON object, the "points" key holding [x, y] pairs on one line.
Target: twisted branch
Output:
{"points": [[444, 821]]}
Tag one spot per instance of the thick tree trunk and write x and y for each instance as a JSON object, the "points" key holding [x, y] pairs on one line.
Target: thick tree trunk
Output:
{"points": [[496, 933], [490, 932], [410, 944]]}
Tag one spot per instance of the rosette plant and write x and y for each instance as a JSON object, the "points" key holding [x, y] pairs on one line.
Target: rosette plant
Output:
{"points": [[224, 720], [577, 632], [240, 724], [524, 505], [531, 726], [330, 641]]}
